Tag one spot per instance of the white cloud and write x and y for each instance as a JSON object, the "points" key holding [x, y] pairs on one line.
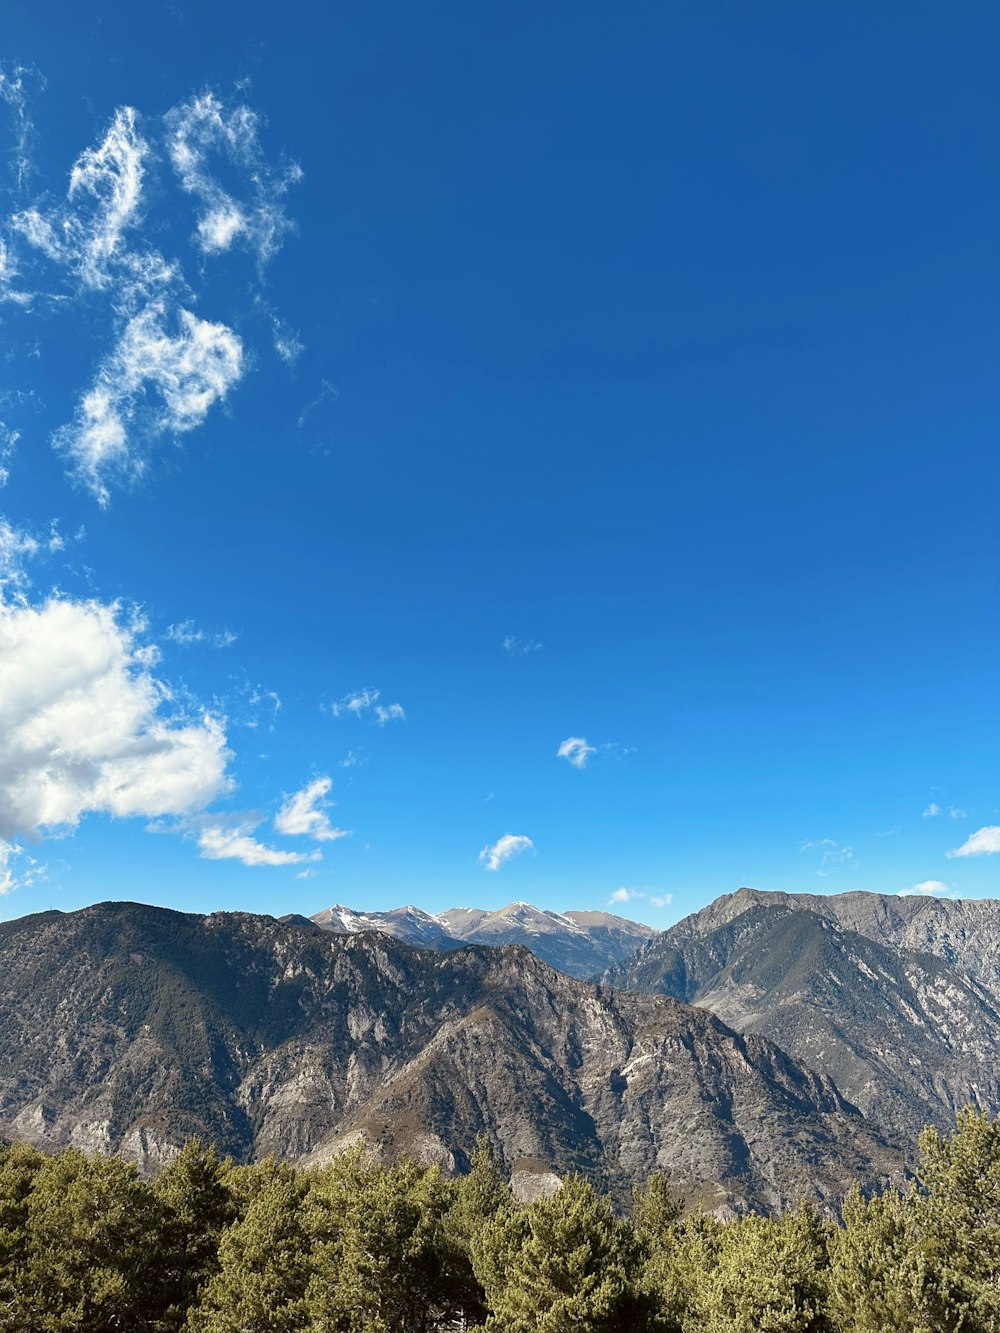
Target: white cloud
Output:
{"points": [[86, 727], [188, 371], [661, 899], [326, 391], [186, 633], [927, 888], [287, 343], [511, 844], [203, 127], [18, 870], [221, 842], [515, 647], [18, 546], [932, 811], [304, 813], [981, 843], [389, 713], [576, 750], [365, 703], [167, 366], [622, 895], [832, 854], [14, 94], [8, 442], [105, 184], [955, 813]]}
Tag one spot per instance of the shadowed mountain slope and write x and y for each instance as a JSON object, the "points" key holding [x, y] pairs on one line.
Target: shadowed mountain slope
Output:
{"points": [[888, 996]]}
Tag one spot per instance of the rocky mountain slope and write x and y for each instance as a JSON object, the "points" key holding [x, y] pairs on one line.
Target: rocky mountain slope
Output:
{"points": [[896, 999], [129, 1028], [582, 944]]}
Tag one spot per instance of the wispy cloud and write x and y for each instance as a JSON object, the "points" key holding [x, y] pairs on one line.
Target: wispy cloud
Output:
{"points": [[167, 367], [576, 751], [367, 703], [515, 647], [983, 842], [955, 813], [327, 391], [932, 811], [832, 855], [15, 82], [17, 547], [626, 895], [304, 813], [186, 634], [510, 845], [204, 128], [161, 381], [927, 888]]}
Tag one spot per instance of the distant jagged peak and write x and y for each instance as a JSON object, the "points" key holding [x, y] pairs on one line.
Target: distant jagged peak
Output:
{"points": [[579, 943]]}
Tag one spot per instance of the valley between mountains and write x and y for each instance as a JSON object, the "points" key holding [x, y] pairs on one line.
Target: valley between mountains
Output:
{"points": [[768, 1048]]}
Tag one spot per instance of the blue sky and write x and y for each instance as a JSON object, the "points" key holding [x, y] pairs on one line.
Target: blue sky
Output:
{"points": [[417, 392]]}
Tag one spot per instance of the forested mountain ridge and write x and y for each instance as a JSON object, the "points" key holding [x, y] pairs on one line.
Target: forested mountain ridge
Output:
{"points": [[129, 1028], [896, 999], [582, 944]]}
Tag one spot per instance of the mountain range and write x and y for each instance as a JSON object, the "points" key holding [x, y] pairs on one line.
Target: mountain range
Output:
{"points": [[129, 1028], [769, 1047], [582, 944], [897, 999]]}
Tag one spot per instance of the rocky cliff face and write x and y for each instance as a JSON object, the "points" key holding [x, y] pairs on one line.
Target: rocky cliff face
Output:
{"points": [[130, 1028], [582, 944], [897, 999]]}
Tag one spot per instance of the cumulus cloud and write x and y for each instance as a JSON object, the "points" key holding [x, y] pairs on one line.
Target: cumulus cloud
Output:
{"points": [[661, 899], [511, 844], [515, 647], [932, 811], [224, 842], [622, 895], [928, 888], [203, 128], [304, 813], [955, 813], [367, 703], [186, 373], [86, 727], [981, 843], [576, 750]]}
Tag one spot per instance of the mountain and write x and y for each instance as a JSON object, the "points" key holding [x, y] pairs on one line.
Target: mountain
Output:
{"points": [[582, 944], [129, 1028], [896, 999]]}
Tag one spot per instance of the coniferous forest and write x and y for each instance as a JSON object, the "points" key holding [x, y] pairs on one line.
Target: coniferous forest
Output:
{"points": [[356, 1247]]}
